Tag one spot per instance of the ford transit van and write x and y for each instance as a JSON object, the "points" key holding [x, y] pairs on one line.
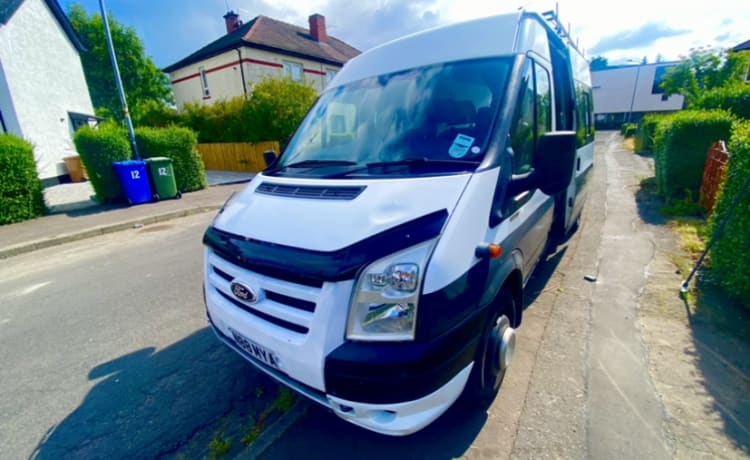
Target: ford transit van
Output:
{"points": [[378, 265]]}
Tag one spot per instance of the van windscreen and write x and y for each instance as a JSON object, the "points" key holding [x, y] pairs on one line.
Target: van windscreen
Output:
{"points": [[434, 119]]}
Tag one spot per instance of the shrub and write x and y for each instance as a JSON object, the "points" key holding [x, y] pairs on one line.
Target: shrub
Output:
{"points": [[271, 113], [179, 144], [98, 149], [222, 121], [277, 106], [730, 255], [20, 189], [644, 134], [627, 129], [680, 146], [734, 98]]}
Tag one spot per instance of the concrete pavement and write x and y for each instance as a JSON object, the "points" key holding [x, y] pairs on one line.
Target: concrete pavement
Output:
{"points": [[75, 219]]}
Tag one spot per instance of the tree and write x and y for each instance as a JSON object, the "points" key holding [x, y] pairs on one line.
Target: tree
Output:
{"points": [[599, 63], [144, 84], [703, 70]]}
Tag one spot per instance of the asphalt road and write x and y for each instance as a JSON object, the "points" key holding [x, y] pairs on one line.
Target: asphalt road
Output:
{"points": [[105, 353], [105, 350]]}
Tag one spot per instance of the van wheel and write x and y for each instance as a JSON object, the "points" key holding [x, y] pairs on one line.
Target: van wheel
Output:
{"points": [[494, 354]]}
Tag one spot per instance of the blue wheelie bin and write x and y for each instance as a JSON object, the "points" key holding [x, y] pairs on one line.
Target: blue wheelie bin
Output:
{"points": [[134, 180]]}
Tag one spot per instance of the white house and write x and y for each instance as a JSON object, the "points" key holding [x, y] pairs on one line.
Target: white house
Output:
{"points": [[43, 92], [226, 67], [626, 93]]}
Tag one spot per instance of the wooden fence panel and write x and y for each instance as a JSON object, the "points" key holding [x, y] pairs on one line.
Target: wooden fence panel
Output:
{"points": [[713, 174], [241, 157]]}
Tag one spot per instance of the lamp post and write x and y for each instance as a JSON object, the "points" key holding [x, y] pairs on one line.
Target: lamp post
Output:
{"points": [[635, 87], [120, 91]]}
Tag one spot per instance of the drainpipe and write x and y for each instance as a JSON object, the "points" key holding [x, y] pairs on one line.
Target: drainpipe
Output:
{"points": [[242, 71]]}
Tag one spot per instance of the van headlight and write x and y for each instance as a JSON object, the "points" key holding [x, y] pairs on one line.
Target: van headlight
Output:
{"points": [[386, 296]]}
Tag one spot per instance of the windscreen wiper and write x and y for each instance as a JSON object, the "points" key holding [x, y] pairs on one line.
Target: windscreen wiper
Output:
{"points": [[421, 161], [314, 163]]}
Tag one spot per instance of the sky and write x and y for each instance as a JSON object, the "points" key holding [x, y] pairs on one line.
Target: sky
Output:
{"points": [[622, 31]]}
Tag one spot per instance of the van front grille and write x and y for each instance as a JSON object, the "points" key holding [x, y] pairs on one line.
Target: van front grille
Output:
{"points": [[281, 303]]}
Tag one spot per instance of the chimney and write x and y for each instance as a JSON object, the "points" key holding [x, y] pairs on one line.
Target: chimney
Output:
{"points": [[318, 27], [232, 20]]}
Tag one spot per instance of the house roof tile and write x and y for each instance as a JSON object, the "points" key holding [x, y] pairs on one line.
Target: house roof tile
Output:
{"points": [[272, 35]]}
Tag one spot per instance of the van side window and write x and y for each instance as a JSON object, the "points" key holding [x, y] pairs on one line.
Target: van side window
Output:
{"points": [[522, 134], [543, 101], [533, 117]]}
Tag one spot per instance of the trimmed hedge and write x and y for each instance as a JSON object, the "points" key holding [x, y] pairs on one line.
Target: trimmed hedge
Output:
{"points": [[20, 189], [98, 148], [271, 113], [730, 255], [680, 147], [179, 144], [644, 134], [735, 99], [628, 129]]}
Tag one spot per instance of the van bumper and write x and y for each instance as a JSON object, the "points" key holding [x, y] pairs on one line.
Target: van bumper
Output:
{"points": [[401, 419], [392, 419]]}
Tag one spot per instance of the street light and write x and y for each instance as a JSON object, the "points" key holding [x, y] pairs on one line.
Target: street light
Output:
{"points": [[635, 87], [118, 80]]}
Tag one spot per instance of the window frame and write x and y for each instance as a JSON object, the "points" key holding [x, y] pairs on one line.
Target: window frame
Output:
{"points": [[288, 67], [204, 83]]}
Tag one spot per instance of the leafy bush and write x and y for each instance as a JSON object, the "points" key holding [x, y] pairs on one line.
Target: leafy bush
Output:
{"points": [[20, 189], [730, 255], [734, 98], [628, 129], [680, 146], [179, 144], [98, 149], [277, 106], [644, 134], [222, 121], [271, 113]]}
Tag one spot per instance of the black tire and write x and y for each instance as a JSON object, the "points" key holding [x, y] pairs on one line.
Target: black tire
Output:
{"points": [[487, 374], [155, 197], [179, 195]]}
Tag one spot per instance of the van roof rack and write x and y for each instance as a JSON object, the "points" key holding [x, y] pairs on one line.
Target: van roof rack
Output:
{"points": [[554, 21]]}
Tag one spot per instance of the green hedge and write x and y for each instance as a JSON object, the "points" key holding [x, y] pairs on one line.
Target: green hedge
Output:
{"points": [[179, 144], [98, 148], [271, 113], [20, 189], [680, 147], [730, 255], [628, 129], [735, 99], [644, 134]]}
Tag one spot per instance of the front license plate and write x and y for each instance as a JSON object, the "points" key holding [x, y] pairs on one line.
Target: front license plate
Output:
{"points": [[258, 352]]}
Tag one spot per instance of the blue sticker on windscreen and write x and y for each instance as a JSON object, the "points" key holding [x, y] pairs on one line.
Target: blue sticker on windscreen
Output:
{"points": [[461, 146]]}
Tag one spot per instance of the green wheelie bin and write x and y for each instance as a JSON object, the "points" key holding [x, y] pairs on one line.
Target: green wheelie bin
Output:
{"points": [[162, 177]]}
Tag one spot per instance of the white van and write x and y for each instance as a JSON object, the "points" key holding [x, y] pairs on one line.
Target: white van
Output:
{"points": [[378, 265]]}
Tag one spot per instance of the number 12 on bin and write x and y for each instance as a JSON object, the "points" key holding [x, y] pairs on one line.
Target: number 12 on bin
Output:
{"points": [[163, 172], [135, 174]]}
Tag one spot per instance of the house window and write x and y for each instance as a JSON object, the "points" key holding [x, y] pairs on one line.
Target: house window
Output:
{"points": [[329, 75], [659, 73], [204, 84], [293, 70], [77, 120]]}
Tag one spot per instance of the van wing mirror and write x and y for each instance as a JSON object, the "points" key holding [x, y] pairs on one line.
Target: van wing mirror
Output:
{"points": [[269, 156], [554, 161]]}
